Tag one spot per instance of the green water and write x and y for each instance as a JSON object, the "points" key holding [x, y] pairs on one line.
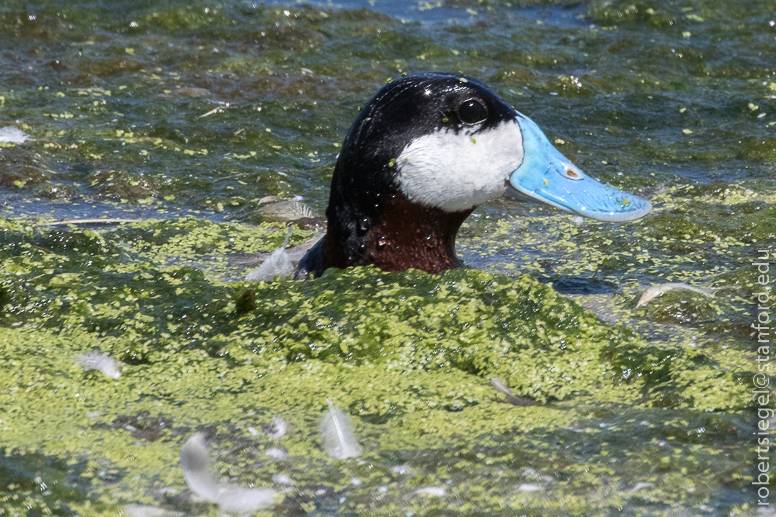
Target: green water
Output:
{"points": [[185, 115]]}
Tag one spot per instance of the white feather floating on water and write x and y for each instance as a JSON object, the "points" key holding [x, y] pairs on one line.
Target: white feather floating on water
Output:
{"points": [[436, 491], [194, 462], [245, 500], [13, 135], [511, 397], [144, 510], [277, 429], [401, 469], [337, 433], [277, 265], [659, 290], [282, 479], [276, 453], [98, 361], [286, 211], [639, 486]]}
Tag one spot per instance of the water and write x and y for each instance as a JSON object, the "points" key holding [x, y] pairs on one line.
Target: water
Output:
{"points": [[571, 14], [201, 110]]}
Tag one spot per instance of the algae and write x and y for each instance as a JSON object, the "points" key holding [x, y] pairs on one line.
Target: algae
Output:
{"points": [[408, 355], [186, 115]]}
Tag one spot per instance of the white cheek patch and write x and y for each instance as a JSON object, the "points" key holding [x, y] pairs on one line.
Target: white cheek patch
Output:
{"points": [[457, 172]]}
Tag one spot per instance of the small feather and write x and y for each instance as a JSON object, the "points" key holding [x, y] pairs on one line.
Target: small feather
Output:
{"points": [[400, 469], [277, 265], [659, 290], [436, 491], [13, 135], [337, 433], [295, 254], [143, 510], [245, 500], [284, 211], [194, 462], [277, 453], [100, 362], [511, 398], [639, 486], [282, 479], [277, 429], [288, 237]]}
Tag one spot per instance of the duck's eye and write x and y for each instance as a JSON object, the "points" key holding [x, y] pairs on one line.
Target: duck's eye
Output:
{"points": [[472, 111]]}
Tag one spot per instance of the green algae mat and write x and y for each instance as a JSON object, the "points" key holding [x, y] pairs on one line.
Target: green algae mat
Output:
{"points": [[189, 118]]}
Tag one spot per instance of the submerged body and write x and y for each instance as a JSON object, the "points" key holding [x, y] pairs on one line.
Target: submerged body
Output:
{"points": [[423, 153]]}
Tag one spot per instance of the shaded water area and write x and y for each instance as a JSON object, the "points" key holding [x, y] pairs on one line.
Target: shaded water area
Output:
{"points": [[193, 117]]}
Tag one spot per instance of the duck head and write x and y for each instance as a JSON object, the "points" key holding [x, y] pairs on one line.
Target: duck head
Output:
{"points": [[423, 153]]}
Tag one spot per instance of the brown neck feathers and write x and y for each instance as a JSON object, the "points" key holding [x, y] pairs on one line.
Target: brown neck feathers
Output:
{"points": [[407, 235]]}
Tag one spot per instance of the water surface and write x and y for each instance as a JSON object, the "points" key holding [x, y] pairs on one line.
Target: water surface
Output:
{"points": [[186, 116]]}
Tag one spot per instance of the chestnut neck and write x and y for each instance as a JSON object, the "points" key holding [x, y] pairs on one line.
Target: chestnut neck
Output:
{"points": [[405, 235]]}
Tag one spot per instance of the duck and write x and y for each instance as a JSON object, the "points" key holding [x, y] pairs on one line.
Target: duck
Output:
{"points": [[424, 152]]}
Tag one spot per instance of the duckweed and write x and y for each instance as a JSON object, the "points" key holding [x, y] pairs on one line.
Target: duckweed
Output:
{"points": [[185, 116], [408, 354]]}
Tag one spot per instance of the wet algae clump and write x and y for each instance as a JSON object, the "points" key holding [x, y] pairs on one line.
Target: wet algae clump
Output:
{"points": [[188, 115], [407, 354]]}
